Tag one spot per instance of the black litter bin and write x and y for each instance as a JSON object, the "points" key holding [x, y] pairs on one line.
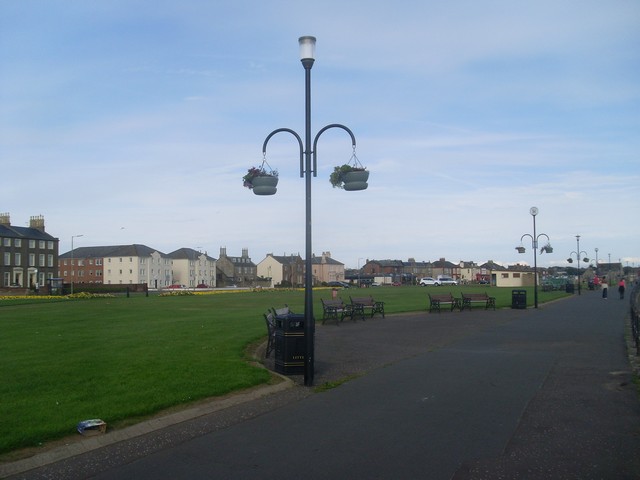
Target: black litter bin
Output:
{"points": [[570, 288], [290, 345], [519, 299]]}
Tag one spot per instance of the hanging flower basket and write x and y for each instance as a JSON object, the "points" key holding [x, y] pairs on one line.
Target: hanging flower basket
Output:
{"points": [[261, 180], [351, 176], [547, 248], [520, 249]]}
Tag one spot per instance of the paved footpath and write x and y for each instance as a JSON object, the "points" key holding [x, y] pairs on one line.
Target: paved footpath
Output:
{"points": [[510, 394]]}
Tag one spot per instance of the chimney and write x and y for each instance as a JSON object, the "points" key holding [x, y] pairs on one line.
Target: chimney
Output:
{"points": [[37, 222], [5, 219]]}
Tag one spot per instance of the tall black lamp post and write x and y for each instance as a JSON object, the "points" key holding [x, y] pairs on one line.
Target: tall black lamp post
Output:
{"points": [[577, 253], [307, 168], [534, 245]]}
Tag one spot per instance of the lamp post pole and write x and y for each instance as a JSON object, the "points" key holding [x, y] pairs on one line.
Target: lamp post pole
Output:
{"points": [[578, 253], [534, 245], [308, 166], [72, 266]]}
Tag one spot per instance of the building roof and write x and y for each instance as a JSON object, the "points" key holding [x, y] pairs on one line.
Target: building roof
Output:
{"points": [[134, 250], [30, 233], [388, 263], [286, 259], [187, 254], [325, 260]]}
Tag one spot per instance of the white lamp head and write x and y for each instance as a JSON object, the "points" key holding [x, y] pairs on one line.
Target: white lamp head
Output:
{"points": [[307, 47]]}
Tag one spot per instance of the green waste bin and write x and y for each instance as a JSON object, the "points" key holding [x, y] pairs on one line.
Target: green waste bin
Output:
{"points": [[519, 299], [570, 288], [290, 346]]}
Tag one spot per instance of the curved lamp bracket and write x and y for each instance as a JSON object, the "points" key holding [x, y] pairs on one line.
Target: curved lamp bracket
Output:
{"points": [[315, 143], [292, 132]]}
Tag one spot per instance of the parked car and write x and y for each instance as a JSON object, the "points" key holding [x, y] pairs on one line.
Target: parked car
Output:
{"points": [[338, 284], [176, 286], [427, 281], [446, 281]]}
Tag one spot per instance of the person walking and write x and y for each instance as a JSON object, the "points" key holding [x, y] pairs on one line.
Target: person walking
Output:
{"points": [[605, 287], [621, 287]]}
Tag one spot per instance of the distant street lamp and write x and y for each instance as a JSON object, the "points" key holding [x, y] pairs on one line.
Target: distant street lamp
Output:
{"points": [[307, 167], [72, 266], [577, 253], [534, 245]]}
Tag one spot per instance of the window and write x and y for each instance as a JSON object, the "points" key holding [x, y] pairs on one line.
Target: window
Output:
{"points": [[6, 242], [7, 258], [18, 242], [50, 260], [50, 245], [516, 275], [32, 244], [41, 260], [98, 261], [41, 243], [32, 259], [17, 259]]}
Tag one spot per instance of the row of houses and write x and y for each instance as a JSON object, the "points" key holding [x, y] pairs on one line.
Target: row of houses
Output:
{"points": [[469, 272], [30, 259], [139, 264]]}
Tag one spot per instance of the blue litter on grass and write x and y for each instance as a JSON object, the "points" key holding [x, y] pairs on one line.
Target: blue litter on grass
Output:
{"points": [[92, 427]]}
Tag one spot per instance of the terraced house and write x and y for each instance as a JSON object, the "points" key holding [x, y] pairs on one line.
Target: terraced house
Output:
{"points": [[29, 255]]}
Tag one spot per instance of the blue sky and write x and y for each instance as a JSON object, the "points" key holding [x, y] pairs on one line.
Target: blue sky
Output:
{"points": [[134, 121]]}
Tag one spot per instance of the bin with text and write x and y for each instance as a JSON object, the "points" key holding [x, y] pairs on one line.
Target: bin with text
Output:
{"points": [[290, 345]]}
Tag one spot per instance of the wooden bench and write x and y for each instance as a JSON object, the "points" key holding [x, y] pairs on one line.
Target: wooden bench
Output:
{"points": [[335, 310], [469, 298], [362, 304], [438, 299]]}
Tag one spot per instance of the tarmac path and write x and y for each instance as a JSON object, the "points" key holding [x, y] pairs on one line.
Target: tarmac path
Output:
{"points": [[506, 394]]}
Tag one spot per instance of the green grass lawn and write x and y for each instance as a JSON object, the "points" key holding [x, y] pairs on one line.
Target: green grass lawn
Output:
{"points": [[121, 359]]}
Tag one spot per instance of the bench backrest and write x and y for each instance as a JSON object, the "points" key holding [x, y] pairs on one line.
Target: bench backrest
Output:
{"points": [[363, 300], [332, 303], [281, 312], [475, 296], [446, 297]]}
